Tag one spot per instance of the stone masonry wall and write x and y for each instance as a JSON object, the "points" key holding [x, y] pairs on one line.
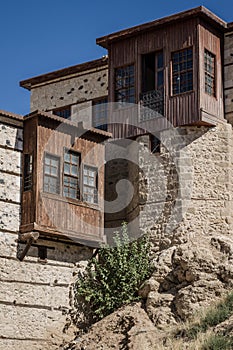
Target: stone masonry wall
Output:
{"points": [[190, 184], [73, 90], [34, 293]]}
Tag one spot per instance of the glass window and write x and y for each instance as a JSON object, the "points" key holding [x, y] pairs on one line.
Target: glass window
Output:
{"points": [[64, 112], [51, 173], [27, 172], [182, 71], [125, 85], [71, 169], [90, 184], [100, 114], [209, 66]]}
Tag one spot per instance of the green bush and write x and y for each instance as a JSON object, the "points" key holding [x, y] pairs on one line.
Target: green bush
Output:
{"points": [[113, 278]]}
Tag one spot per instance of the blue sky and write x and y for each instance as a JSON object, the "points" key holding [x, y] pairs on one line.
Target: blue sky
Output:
{"points": [[44, 35]]}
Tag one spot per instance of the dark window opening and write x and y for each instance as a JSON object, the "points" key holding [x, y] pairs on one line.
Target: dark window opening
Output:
{"points": [[152, 71], [64, 112], [42, 252], [125, 84], [152, 96], [209, 62], [51, 173], [182, 71], [100, 114], [90, 184], [71, 188], [27, 172], [154, 144]]}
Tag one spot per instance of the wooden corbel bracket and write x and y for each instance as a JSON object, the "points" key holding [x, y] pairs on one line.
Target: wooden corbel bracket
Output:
{"points": [[28, 237]]}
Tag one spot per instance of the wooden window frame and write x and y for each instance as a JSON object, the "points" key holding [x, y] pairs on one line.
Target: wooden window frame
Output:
{"points": [[100, 113], [178, 75], [28, 171], [210, 72], [71, 181], [126, 82], [53, 176], [87, 186]]}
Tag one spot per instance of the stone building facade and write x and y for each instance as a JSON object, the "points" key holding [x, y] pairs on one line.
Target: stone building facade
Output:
{"points": [[183, 188]]}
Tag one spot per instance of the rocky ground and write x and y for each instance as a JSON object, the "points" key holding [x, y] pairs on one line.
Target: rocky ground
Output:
{"points": [[187, 278]]}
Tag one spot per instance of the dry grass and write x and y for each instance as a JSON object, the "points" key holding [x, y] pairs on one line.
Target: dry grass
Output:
{"points": [[199, 334]]}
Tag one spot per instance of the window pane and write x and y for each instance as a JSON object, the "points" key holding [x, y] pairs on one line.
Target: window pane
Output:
{"points": [[74, 170], [182, 71], [90, 191], [160, 79], [209, 67], [51, 173], [160, 60], [66, 168], [124, 84], [71, 175], [74, 159], [67, 157]]}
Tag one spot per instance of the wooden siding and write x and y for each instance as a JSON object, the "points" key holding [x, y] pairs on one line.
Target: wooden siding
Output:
{"points": [[55, 213], [212, 41], [184, 108], [28, 198]]}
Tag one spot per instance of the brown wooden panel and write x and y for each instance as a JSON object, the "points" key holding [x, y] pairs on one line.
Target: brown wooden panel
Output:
{"points": [[211, 40], [55, 213], [69, 218], [181, 109]]}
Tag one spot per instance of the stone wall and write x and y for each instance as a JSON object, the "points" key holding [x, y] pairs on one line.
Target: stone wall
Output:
{"points": [[34, 293], [189, 184], [72, 90]]}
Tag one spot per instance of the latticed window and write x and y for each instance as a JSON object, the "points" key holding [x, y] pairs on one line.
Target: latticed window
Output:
{"points": [[90, 185], [71, 186], [182, 71], [125, 84], [209, 61], [100, 114], [51, 173], [64, 112], [27, 172]]}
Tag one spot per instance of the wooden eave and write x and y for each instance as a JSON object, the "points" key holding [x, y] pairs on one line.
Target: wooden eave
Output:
{"points": [[230, 26], [200, 11], [11, 118], [98, 63], [68, 126]]}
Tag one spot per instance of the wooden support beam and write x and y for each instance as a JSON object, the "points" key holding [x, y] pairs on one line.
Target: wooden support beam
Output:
{"points": [[29, 237]]}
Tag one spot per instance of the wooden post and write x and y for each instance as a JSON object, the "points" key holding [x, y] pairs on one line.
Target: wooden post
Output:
{"points": [[29, 237]]}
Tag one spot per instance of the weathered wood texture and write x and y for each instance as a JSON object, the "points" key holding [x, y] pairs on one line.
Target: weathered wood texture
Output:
{"points": [[55, 214], [185, 108], [212, 41]]}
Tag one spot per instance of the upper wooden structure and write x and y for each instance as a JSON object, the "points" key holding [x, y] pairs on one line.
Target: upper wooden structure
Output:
{"points": [[198, 30]]}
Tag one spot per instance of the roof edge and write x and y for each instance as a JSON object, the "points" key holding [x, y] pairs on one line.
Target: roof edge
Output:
{"points": [[200, 10], [78, 125], [29, 83], [11, 115]]}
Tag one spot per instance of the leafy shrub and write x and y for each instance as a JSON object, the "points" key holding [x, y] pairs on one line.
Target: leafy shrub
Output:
{"points": [[113, 278]]}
